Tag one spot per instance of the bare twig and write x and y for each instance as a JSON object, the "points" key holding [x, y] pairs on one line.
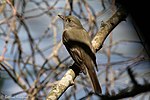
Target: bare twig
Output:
{"points": [[132, 77]]}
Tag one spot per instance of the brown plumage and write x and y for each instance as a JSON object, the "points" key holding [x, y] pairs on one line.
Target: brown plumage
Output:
{"points": [[78, 44]]}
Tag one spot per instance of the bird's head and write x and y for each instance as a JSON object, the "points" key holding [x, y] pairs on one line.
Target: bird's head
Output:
{"points": [[71, 21]]}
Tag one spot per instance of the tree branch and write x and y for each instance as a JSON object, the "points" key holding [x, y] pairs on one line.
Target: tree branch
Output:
{"points": [[97, 43], [132, 77], [107, 27], [133, 92], [123, 94]]}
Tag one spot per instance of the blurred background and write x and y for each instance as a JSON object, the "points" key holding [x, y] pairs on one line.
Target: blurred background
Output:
{"points": [[35, 58]]}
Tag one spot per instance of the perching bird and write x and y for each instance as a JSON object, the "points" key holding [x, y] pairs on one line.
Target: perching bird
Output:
{"points": [[77, 42]]}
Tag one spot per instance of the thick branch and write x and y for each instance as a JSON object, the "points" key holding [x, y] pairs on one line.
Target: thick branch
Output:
{"points": [[97, 43], [123, 94], [62, 85], [107, 27], [135, 91]]}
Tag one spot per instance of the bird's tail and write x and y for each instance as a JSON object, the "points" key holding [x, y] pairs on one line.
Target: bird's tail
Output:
{"points": [[94, 80]]}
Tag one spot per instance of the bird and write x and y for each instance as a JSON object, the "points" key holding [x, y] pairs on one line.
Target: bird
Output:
{"points": [[78, 43]]}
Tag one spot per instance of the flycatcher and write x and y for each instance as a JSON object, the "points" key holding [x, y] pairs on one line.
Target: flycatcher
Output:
{"points": [[78, 43]]}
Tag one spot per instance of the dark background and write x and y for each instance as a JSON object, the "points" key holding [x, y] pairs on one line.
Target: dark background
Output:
{"points": [[140, 14]]}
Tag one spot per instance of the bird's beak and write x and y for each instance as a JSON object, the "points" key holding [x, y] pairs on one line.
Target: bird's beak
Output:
{"points": [[62, 17]]}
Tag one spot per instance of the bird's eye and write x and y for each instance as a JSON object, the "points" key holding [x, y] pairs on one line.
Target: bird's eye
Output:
{"points": [[68, 20]]}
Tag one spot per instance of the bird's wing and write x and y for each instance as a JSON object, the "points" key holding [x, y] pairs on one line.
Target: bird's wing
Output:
{"points": [[74, 50], [79, 41]]}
